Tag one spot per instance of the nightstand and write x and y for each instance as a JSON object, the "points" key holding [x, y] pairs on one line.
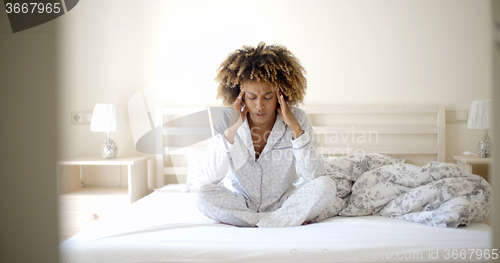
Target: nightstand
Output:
{"points": [[80, 206], [474, 164]]}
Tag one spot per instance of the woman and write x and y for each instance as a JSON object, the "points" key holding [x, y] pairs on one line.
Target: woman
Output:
{"points": [[264, 165]]}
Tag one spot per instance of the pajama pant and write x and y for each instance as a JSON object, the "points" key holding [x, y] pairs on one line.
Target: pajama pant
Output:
{"points": [[297, 206]]}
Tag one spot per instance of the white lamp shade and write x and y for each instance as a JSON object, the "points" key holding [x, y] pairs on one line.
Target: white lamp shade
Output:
{"points": [[479, 115], [107, 118]]}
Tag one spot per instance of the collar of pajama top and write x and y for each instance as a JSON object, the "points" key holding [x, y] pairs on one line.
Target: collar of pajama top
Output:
{"points": [[265, 181], [277, 133]]}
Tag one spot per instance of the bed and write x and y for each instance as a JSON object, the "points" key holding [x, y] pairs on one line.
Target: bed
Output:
{"points": [[166, 226]]}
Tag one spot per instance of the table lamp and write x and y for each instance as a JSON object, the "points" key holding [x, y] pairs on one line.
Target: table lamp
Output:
{"points": [[107, 118], [479, 118]]}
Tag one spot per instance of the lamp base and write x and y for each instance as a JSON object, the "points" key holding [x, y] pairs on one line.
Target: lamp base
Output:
{"points": [[483, 148], [109, 150]]}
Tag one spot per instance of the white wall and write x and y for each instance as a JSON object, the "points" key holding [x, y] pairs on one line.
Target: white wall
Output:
{"points": [[355, 52]]}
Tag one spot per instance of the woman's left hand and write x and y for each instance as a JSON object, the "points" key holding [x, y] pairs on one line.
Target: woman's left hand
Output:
{"points": [[287, 115]]}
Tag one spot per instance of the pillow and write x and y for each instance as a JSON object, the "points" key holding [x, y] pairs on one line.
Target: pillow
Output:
{"points": [[355, 165], [194, 175]]}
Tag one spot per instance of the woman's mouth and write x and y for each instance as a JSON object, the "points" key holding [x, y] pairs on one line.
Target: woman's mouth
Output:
{"points": [[260, 114]]}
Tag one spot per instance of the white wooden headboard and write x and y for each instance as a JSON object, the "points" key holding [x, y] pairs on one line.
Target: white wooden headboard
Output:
{"points": [[416, 133]]}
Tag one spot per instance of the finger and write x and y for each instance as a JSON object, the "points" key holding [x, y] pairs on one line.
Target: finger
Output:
{"points": [[244, 112], [242, 93], [237, 102], [278, 96], [282, 101]]}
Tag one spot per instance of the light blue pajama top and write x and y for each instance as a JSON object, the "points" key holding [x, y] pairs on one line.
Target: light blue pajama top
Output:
{"points": [[262, 182]]}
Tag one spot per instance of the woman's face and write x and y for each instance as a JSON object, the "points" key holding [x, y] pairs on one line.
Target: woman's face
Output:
{"points": [[260, 101]]}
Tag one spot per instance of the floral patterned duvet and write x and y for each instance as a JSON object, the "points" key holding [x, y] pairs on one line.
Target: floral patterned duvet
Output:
{"points": [[436, 194]]}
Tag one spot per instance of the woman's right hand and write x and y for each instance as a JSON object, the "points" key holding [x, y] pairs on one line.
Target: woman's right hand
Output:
{"points": [[240, 110], [238, 117]]}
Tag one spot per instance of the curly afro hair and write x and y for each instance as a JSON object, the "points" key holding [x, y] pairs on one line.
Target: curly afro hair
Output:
{"points": [[273, 64]]}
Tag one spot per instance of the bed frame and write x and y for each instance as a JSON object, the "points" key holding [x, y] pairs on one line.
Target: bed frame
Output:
{"points": [[415, 133]]}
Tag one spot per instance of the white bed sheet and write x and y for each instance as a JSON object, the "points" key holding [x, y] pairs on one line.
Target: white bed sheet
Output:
{"points": [[166, 226]]}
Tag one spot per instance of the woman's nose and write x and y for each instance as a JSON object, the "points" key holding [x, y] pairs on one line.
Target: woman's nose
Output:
{"points": [[260, 103]]}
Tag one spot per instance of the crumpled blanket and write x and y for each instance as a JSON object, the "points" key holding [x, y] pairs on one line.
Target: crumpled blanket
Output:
{"points": [[436, 194]]}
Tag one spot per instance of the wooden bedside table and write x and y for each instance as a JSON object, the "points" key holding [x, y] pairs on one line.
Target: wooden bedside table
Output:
{"points": [[474, 164], [83, 206]]}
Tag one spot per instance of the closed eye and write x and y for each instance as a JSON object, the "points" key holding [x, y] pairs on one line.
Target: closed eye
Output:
{"points": [[250, 98]]}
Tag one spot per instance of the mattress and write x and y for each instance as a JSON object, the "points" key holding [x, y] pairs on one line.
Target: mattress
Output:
{"points": [[166, 226]]}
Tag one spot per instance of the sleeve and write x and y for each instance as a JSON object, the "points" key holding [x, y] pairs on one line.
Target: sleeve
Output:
{"points": [[219, 156], [308, 161]]}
